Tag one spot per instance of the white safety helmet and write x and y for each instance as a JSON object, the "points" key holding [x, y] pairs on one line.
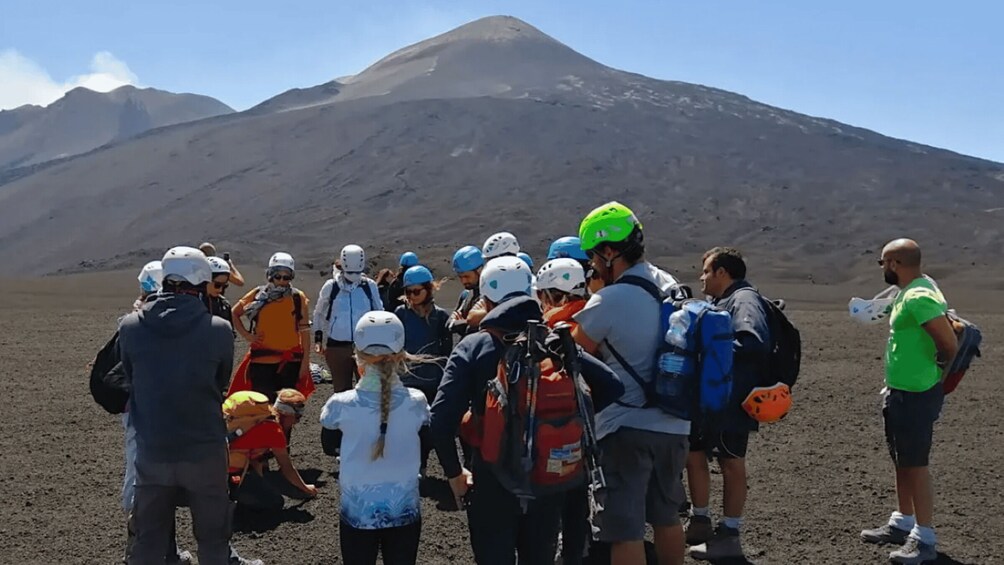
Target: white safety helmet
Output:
{"points": [[875, 310], [151, 277], [502, 243], [282, 260], [219, 265], [565, 275], [186, 264], [353, 259], [379, 333], [505, 276]]}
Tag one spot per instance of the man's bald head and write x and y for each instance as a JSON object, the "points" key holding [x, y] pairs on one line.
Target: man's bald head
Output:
{"points": [[904, 251]]}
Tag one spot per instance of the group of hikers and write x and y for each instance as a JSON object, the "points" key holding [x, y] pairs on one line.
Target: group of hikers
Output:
{"points": [[580, 397]]}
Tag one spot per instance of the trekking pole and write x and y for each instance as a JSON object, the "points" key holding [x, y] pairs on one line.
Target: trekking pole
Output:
{"points": [[570, 358], [535, 355]]}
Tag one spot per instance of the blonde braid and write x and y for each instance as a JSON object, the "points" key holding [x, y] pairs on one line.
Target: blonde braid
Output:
{"points": [[389, 366]]}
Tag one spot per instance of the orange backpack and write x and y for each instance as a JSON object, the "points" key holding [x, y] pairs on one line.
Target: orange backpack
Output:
{"points": [[532, 432]]}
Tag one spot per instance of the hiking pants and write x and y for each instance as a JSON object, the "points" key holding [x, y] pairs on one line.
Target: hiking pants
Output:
{"points": [[575, 526], [499, 528], [159, 487], [129, 482], [397, 546], [267, 379], [341, 363]]}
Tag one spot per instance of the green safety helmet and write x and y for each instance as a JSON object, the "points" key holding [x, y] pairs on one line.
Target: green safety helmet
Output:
{"points": [[611, 223]]}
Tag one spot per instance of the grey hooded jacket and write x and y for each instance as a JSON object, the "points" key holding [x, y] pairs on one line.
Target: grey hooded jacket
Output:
{"points": [[178, 358]]}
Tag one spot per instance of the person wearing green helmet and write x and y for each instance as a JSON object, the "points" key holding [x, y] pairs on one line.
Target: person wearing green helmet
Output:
{"points": [[644, 449]]}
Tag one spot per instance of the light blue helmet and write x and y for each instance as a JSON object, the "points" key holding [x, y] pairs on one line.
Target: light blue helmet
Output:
{"points": [[417, 275], [526, 259], [567, 247], [468, 258], [408, 259]]}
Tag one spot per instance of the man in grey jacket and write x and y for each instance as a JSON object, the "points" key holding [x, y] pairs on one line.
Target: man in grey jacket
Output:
{"points": [[178, 358]]}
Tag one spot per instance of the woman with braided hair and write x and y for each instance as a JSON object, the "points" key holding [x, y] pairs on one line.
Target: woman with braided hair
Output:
{"points": [[380, 422]]}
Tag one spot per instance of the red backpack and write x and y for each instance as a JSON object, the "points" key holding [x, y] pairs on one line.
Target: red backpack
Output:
{"points": [[533, 429]]}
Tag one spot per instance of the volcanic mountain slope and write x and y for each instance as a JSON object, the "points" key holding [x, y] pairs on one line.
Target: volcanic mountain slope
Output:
{"points": [[492, 126], [83, 119]]}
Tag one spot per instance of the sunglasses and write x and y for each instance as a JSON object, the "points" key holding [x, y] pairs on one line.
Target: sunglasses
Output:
{"points": [[283, 277], [220, 286], [413, 291], [882, 262]]}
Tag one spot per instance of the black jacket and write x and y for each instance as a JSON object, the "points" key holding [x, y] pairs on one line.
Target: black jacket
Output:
{"points": [[474, 362]]}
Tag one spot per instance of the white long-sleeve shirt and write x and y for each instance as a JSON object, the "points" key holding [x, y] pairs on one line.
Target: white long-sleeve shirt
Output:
{"points": [[350, 305]]}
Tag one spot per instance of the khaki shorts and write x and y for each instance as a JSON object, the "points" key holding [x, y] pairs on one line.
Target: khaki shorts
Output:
{"points": [[643, 471]]}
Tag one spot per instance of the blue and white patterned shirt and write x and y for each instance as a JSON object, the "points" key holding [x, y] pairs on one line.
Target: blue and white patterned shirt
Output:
{"points": [[382, 493]]}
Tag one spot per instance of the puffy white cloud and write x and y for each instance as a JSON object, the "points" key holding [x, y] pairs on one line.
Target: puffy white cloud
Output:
{"points": [[22, 81]]}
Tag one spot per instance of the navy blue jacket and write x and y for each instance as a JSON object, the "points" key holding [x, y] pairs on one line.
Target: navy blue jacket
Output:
{"points": [[475, 361], [425, 336], [751, 349]]}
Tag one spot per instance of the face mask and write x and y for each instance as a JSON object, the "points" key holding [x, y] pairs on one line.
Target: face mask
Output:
{"points": [[353, 277], [872, 311]]}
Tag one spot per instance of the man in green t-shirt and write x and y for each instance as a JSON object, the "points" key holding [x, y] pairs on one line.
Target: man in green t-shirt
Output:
{"points": [[921, 342]]}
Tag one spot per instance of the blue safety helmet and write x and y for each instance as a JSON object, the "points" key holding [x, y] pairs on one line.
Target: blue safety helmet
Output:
{"points": [[408, 259], [417, 275], [526, 259], [468, 258], [567, 247]]}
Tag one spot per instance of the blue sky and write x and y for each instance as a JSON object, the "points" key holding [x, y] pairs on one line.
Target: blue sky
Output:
{"points": [[929, 71]]}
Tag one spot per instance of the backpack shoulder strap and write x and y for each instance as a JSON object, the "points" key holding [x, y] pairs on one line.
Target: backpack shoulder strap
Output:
{"points": [[368, 291], [335, 289], [297, 308], [642, 384], [648, 286]]}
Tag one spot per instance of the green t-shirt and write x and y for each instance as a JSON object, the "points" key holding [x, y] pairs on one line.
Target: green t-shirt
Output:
{"points": [[911, 356]]}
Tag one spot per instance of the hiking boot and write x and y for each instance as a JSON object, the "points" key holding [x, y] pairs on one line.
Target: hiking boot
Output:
{"points": [[723, 544], [914, 552], [699, 530], [236, 559], [181, 558], [885, 534]]}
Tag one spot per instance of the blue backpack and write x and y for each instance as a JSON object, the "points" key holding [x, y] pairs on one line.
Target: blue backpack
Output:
{"points": [[693, 378]]}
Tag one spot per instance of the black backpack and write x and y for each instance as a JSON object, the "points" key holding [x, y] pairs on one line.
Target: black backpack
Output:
{"points": [[109, 386], [785, 357], [335, 289]]}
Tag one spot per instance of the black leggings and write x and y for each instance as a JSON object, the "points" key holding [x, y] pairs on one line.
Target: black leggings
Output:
{"points": [[267, 379], [398, 546]]}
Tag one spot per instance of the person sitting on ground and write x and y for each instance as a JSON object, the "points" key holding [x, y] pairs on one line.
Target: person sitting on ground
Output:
{"points": [[279, 334], [341, 303], [235, 276], [379, 422], [259, 430], [425, 333], [395, 290]]}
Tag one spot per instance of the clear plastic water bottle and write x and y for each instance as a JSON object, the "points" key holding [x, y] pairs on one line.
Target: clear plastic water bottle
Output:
{"points": [[679, 322]]}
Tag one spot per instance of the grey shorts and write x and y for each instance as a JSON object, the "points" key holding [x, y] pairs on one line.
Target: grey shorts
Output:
{"points": [[643, 471], [909, 424]]}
